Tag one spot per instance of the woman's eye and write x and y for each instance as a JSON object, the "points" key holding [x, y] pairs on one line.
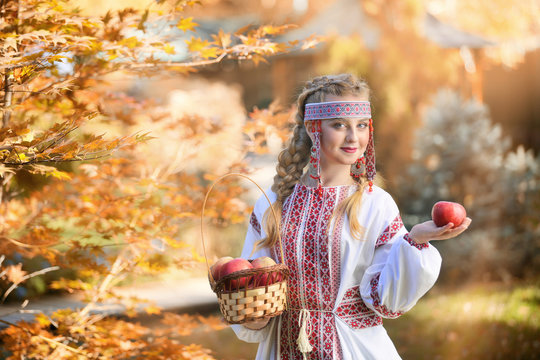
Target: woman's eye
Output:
{"points": [[362, 125], [338, 125]]}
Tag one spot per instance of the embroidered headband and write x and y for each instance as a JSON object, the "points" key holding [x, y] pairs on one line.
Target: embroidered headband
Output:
{"points": [[337, 109], [315, 112]]}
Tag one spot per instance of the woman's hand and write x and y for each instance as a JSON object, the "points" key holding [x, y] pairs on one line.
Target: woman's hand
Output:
{"points": [[257, 324], [426, 231]]}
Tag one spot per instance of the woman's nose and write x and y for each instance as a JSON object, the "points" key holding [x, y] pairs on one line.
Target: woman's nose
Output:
{"points": [[352, 135]]}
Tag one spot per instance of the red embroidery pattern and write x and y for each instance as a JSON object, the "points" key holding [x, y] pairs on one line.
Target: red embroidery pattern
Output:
{"points": [[381, 309], [388, 233], [354, 311], [313, 284], [292, 216], [255, 223], [330, 110], [408, 239]]}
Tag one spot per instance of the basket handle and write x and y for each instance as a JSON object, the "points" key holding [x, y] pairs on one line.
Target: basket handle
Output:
{"points": [[204, 205]]}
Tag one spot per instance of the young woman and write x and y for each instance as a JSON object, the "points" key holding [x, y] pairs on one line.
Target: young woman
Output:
{"points": [[352, 261]]}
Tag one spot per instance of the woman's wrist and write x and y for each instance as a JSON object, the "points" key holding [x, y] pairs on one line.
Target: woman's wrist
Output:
{"points": [[414, 236]]}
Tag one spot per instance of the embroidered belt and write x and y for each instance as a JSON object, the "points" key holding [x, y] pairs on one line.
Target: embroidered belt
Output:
{"points": [[352, 310]]}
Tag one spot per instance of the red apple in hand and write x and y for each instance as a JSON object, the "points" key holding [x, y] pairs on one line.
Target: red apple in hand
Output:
{"points": [[216, 268], [445, 212], [266, 278], [232, 266]]}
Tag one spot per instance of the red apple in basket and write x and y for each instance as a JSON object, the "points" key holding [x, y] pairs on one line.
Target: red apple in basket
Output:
{"points": [[266, 278], [445, 212], [232, 266], [216, 268]]}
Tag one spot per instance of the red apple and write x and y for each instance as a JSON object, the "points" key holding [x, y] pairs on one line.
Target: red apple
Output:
{"points": [[232, 266], [216, 268], [266, 278], [445, 212]]}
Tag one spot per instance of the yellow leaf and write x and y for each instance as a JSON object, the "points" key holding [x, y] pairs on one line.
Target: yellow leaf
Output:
{"points": [[43, 320], [130, 42], [196, 44], [270, 30], [60, 175], [169, 49], [152, 309], [186, 24], [275, 30], [258, 59], [243, 30], [196, 256], [210, 52]]}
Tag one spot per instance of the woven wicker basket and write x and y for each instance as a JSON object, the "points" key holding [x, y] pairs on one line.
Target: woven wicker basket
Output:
{"points": [[250, 299]]}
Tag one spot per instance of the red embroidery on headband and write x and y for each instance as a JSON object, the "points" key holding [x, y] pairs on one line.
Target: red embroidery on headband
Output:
{"points": [[329, 110]]}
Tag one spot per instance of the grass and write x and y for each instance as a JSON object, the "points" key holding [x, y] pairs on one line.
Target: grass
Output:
{"points": [[479, 322]]}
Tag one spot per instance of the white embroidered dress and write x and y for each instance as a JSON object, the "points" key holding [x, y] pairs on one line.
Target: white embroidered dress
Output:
{"points": [[348, 285]]}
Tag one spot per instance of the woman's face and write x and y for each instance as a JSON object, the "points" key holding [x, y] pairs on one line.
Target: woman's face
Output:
{"points": [[343, 141]]}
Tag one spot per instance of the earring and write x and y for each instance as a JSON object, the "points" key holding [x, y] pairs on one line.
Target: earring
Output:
{"points": [[313, 169], [358, 168]]}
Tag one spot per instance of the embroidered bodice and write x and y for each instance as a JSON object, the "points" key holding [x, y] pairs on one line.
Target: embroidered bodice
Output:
{"points": [[347, 285]]}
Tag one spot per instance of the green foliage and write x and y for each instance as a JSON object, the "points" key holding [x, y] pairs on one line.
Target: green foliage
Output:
{"points": [[460, 155]]}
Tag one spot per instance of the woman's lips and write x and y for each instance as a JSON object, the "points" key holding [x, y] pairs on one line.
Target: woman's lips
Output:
{"points": [[349, 149]]}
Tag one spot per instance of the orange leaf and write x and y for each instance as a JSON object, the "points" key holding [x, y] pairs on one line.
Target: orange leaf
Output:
{"points": [[15, 273], [222, 39]]}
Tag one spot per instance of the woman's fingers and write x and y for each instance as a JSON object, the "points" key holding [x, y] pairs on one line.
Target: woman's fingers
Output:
{"points": [[426, 231], [448, 231]]}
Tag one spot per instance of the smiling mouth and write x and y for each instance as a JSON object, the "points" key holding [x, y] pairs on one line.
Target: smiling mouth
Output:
{"points": [[349, 149]]}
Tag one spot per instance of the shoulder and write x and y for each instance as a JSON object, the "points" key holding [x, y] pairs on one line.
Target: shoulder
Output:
{"points": [[380, 202], [262, 204]]}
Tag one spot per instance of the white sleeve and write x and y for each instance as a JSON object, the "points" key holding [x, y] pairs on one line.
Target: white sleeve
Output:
{"points": [[401, 271], [254, 234]]}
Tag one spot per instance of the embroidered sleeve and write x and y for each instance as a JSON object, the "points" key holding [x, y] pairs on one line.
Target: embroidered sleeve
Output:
{"points": [[381, 309], [391, 230], [408, 239], [255, 223], [401, 270], [354, 312]]}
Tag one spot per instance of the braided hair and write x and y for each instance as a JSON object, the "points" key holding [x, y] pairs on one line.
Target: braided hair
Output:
{"points": [[294, 158]]}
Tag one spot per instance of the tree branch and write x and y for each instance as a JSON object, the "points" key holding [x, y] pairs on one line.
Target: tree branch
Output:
{"points": [[8, 94], [36, 273], [186, 64]]}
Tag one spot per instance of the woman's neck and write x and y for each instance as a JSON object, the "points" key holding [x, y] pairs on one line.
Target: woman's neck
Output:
{"points": [[330, 178]]}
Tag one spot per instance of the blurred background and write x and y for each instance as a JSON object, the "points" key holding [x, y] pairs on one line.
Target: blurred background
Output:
{"points": [[456, 108]]}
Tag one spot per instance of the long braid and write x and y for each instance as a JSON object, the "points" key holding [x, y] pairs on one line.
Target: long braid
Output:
{"points": [[294, 158]]}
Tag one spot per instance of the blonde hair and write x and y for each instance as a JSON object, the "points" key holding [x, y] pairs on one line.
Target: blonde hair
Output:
{"points": [[294, 158]]}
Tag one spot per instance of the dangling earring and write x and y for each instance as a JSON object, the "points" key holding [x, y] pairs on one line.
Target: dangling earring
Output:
{"points": [[358, 168], [370, 156], [314, 169]]}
